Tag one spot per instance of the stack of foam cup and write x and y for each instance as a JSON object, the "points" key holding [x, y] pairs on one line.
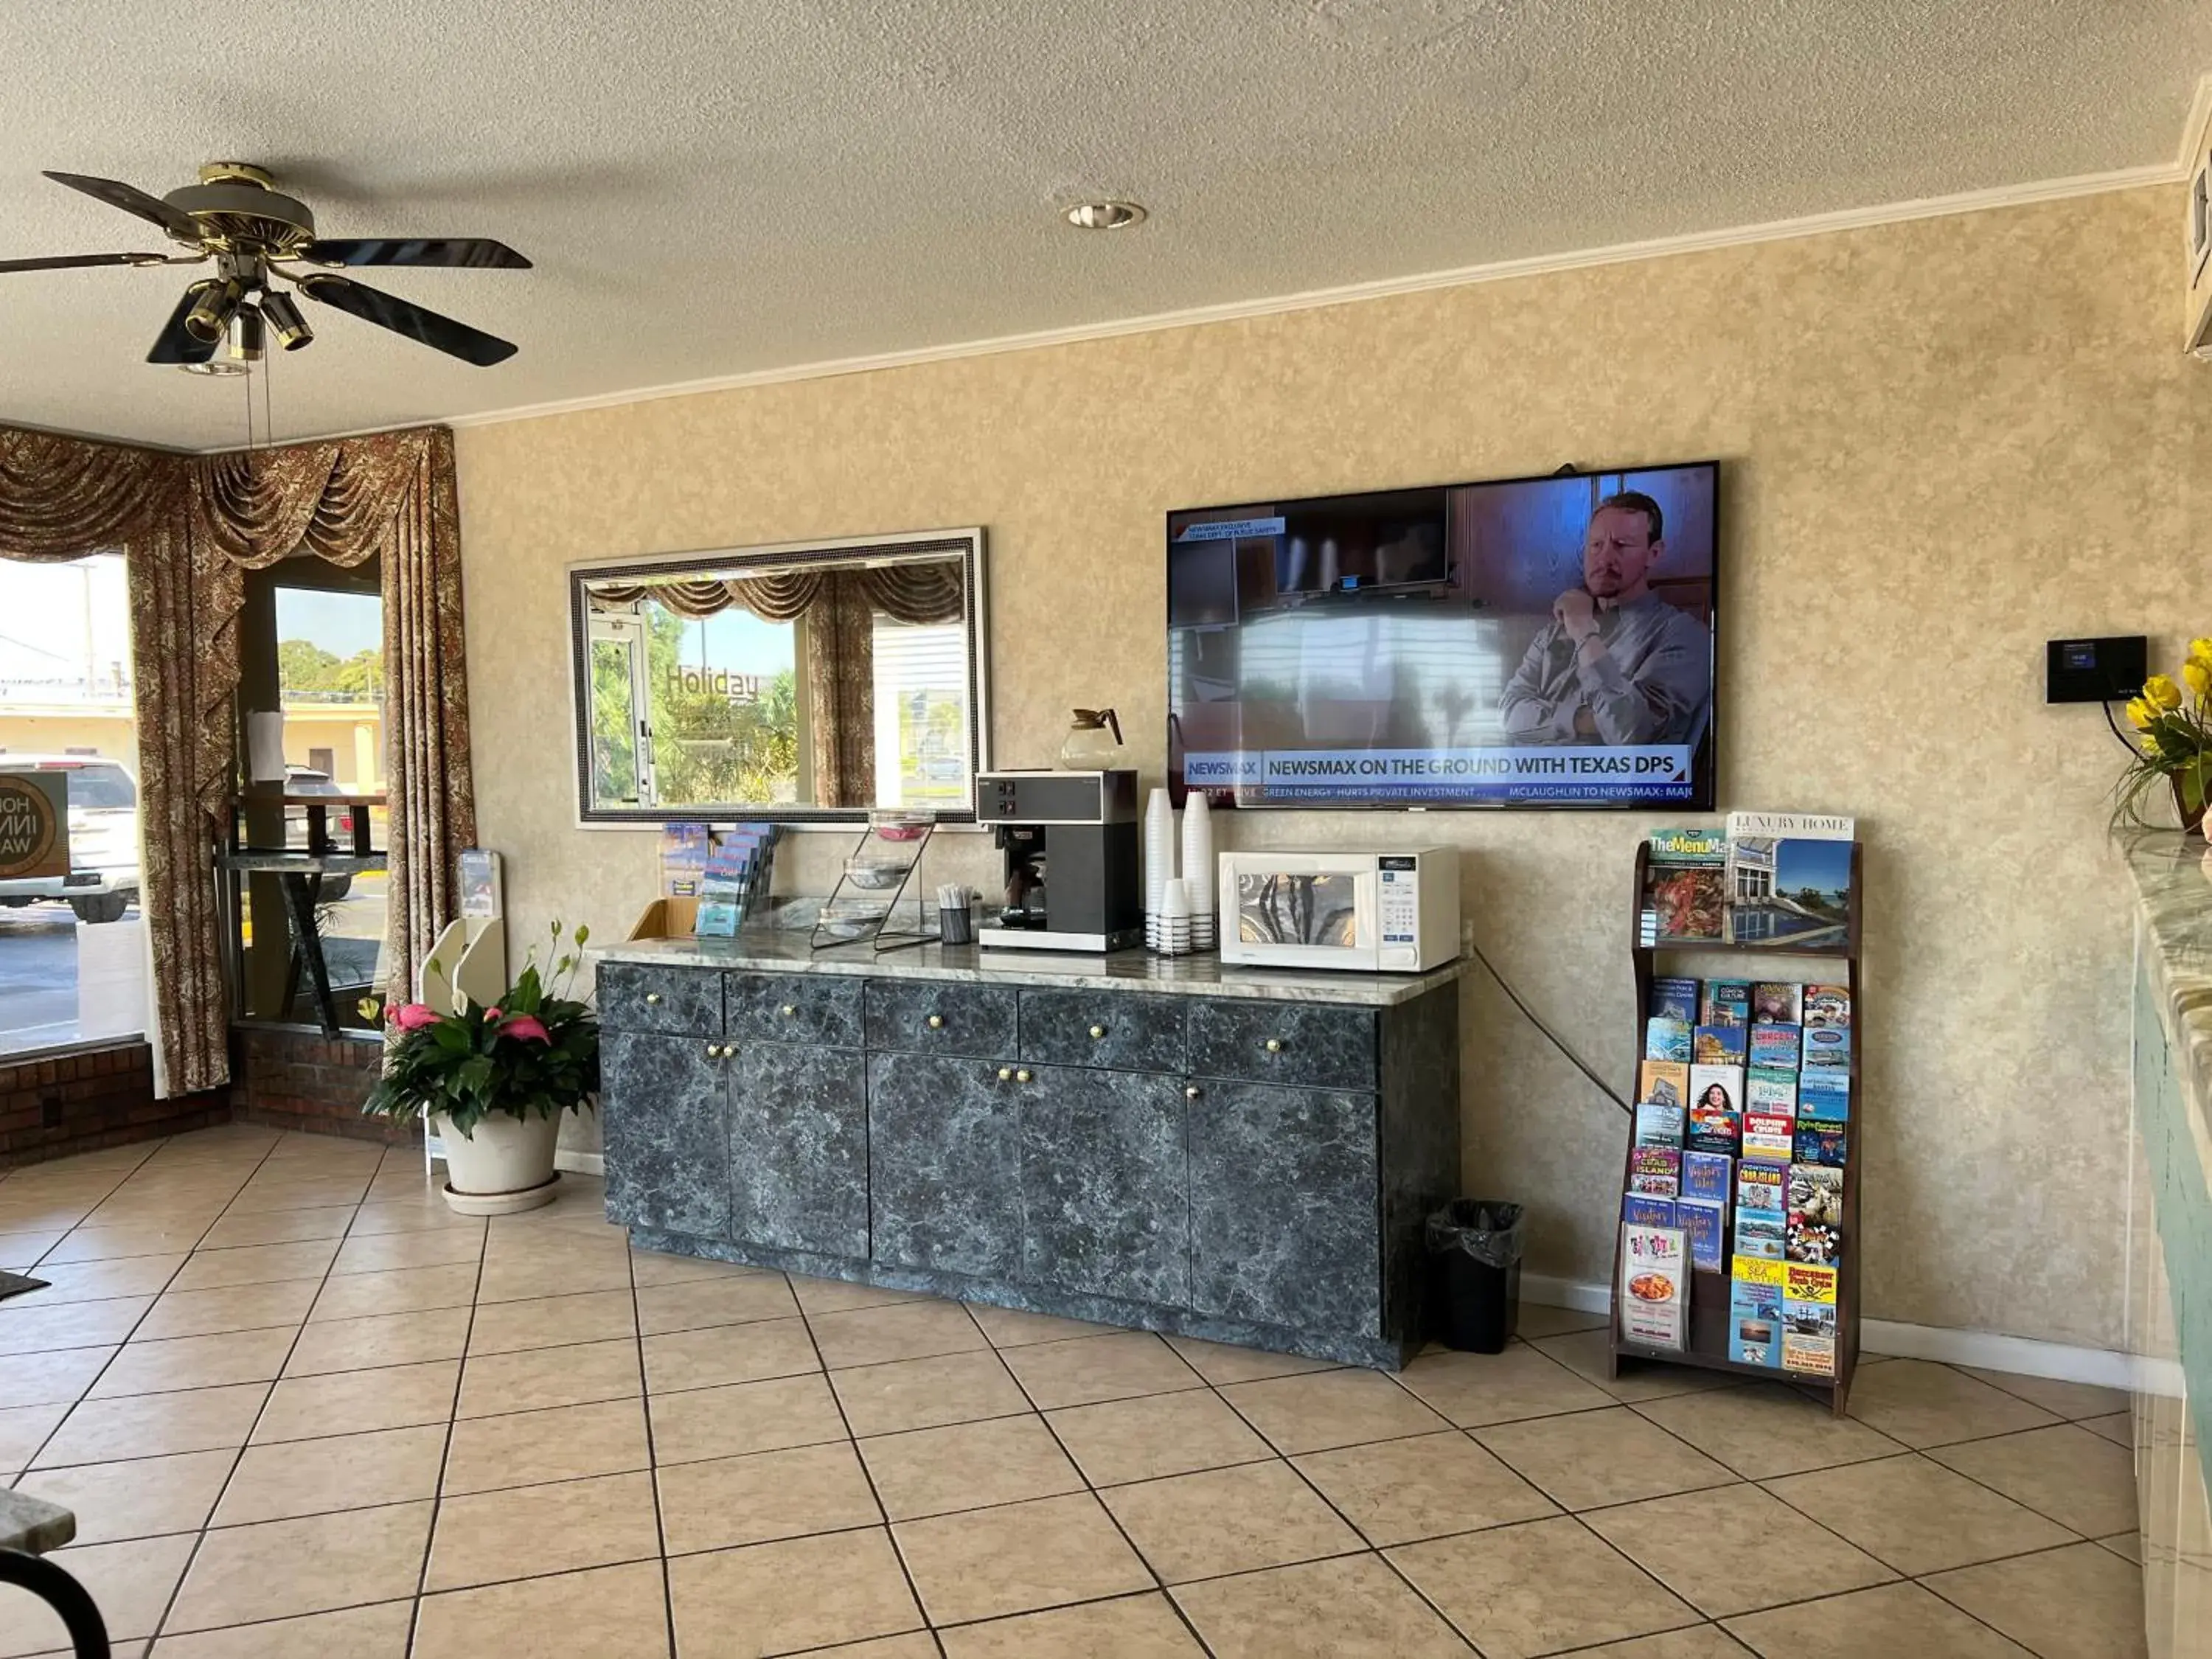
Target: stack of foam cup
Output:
{"points": [[1174, 920], [1159, 862], [1198, 869]]}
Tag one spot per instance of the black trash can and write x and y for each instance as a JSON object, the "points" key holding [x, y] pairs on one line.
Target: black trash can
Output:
{"points": [[1475, 1279]]}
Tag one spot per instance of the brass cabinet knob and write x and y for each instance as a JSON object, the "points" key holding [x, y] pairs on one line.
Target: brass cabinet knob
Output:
{"points": [[935, 1022], [1007, 1074], [788, 1010], [652, 997], [1192, 1091], [714, 1051], [1021, 1076], [1097, 1032], [1273, 1045]]}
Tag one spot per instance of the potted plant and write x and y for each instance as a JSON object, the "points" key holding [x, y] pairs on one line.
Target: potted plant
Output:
{"points": [[2174, 742], [494, 1081]]}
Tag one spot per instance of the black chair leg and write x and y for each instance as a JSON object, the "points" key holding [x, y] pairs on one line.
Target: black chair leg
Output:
{"points": [[88, 1630]]}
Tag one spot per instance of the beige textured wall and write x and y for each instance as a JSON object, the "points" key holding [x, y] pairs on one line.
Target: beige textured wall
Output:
{"points": [[1945, 440]]}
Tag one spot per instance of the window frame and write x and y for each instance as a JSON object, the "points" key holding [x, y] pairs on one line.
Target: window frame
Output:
{"points": [[967, 545]]}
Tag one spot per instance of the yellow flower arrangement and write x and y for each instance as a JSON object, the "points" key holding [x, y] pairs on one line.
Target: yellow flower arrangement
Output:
{"points": [[2173, 746]]}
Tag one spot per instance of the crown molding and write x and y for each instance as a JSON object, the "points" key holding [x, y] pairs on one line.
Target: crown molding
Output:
{"points": [[1777, 230]]}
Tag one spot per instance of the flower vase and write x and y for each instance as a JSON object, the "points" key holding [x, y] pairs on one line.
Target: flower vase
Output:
{"points": [[2192, 818], [503, 1166]]}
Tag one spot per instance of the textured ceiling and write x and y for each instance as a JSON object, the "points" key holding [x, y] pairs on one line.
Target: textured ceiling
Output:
{"points": [[710, 187]]}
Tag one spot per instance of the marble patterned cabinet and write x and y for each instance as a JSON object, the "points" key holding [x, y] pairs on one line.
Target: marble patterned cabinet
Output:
{"points": [[2170, 1243], [1181, 1147]]}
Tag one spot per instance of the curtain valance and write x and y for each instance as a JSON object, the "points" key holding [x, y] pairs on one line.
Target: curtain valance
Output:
{"points": [[905, 593]]}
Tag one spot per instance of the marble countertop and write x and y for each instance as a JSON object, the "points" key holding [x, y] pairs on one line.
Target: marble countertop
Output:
{"points": [[2174, 903], [1124, 971]]}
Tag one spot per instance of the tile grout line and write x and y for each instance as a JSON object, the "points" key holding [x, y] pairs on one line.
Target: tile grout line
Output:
{"points": [[2075, 1537], [452, 1420], [1159, 1582], [868, 1474], [151, 1303], [199, 1537], [1919, 1579], [1372, 1548], [1898, 1576], [652, 1452]]}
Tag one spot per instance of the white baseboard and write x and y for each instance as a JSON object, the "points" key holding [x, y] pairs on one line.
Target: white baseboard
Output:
{"points": [[1578, 1294], [2020, 1355]]}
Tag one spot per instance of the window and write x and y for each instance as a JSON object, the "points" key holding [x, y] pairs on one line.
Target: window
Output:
{"points": [[312, 646], [72, 948], [790, 683]]}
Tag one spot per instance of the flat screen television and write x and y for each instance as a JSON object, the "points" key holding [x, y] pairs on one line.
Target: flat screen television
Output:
{"points": [[1530, 643]]}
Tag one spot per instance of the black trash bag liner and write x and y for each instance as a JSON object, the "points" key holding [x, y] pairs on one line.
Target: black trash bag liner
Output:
{"points": [[1486, 1229]]}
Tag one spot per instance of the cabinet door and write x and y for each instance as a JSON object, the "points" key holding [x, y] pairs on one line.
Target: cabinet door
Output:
{"points": [[1104, 1028], [1105, 1183], [944, 1165], [799, 1147], [663, 1111], [674, 1002], [1307, 1045], [1285, 1213]]}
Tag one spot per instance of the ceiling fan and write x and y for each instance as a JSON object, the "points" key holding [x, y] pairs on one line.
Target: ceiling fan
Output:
{"points": [[236, 217]]}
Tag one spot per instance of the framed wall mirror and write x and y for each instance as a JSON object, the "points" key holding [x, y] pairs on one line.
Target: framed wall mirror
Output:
{"points": [[810, 682]]}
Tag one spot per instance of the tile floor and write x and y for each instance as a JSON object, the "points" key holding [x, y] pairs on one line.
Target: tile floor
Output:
{"points": [[301, 1409]]}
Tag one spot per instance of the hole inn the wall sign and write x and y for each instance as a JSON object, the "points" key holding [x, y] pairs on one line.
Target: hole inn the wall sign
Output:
{"points": [[34, 825]]}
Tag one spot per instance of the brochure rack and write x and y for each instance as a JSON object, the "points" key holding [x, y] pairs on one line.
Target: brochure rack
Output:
{"points": [[1708, 1336]]}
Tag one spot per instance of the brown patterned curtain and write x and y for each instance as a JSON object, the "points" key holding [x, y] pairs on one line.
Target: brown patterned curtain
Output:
{"points": [[348, 500], [63, 498], [190, 528], [841, 678]]}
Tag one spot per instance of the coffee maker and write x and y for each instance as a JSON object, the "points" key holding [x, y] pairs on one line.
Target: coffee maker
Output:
{"points": [[1069, 841]]}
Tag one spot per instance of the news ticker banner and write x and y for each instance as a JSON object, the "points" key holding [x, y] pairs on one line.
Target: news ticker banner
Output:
{"points": [[1658, 772]]}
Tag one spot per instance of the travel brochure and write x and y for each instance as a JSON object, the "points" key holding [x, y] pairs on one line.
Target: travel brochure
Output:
{"points": [[1739, 1167], [726, 871], [1780, 880]]}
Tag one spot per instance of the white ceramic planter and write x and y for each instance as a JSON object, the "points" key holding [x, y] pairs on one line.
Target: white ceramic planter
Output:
{"points": [[505, 1165]]}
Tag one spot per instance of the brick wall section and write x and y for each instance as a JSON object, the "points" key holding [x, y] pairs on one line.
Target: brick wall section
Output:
{"points": [[81, 1103], [300, 1080]]}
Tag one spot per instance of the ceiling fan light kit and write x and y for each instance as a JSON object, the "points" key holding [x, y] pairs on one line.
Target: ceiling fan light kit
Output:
{"points": [[237, 217]]}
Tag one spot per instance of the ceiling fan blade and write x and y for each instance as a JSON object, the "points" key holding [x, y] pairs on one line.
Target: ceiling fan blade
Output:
{"points": [[477, 252], [427, 327], [72, 261], [175, 343], [132, 199]]}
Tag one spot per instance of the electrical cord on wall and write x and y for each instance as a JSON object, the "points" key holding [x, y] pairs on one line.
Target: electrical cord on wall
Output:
{"points": [[1550, 1035]]}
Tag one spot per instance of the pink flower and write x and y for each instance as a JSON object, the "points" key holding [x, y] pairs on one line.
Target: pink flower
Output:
{"points": [[414, 1016], [526, 1028], [492, 1013]]}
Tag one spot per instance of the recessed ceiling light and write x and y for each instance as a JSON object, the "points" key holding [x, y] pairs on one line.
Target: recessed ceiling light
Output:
{"points": [[1104, 215], [215, 368]]}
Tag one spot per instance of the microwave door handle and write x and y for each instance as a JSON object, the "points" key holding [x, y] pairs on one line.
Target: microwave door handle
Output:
{"points": [[1367, 909]]}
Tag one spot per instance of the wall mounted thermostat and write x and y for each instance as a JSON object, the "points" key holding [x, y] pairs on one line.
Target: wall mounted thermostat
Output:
{"points": [[2095, 671]]}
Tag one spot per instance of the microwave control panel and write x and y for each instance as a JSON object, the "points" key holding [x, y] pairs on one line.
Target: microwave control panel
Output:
{"points": [[1398, 887]]}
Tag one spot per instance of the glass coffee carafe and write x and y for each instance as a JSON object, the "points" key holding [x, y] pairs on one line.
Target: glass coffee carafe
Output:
{"points": [[1093, 743]]}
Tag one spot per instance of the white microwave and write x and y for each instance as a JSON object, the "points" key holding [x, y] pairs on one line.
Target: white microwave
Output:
{"points": [[1374, 912]]}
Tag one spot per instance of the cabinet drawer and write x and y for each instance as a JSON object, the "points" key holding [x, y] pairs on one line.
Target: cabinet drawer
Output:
{"points": [[1104, 1028], [677, 1001], [793, 1007], [933, 1016], [1308, 1045]]}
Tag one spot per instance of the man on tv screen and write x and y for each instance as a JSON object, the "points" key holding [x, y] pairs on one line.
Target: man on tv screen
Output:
{"points": [[1616, 664]]}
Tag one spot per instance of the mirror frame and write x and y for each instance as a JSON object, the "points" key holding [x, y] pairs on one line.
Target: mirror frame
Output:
{"points": [[966, 544]]}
